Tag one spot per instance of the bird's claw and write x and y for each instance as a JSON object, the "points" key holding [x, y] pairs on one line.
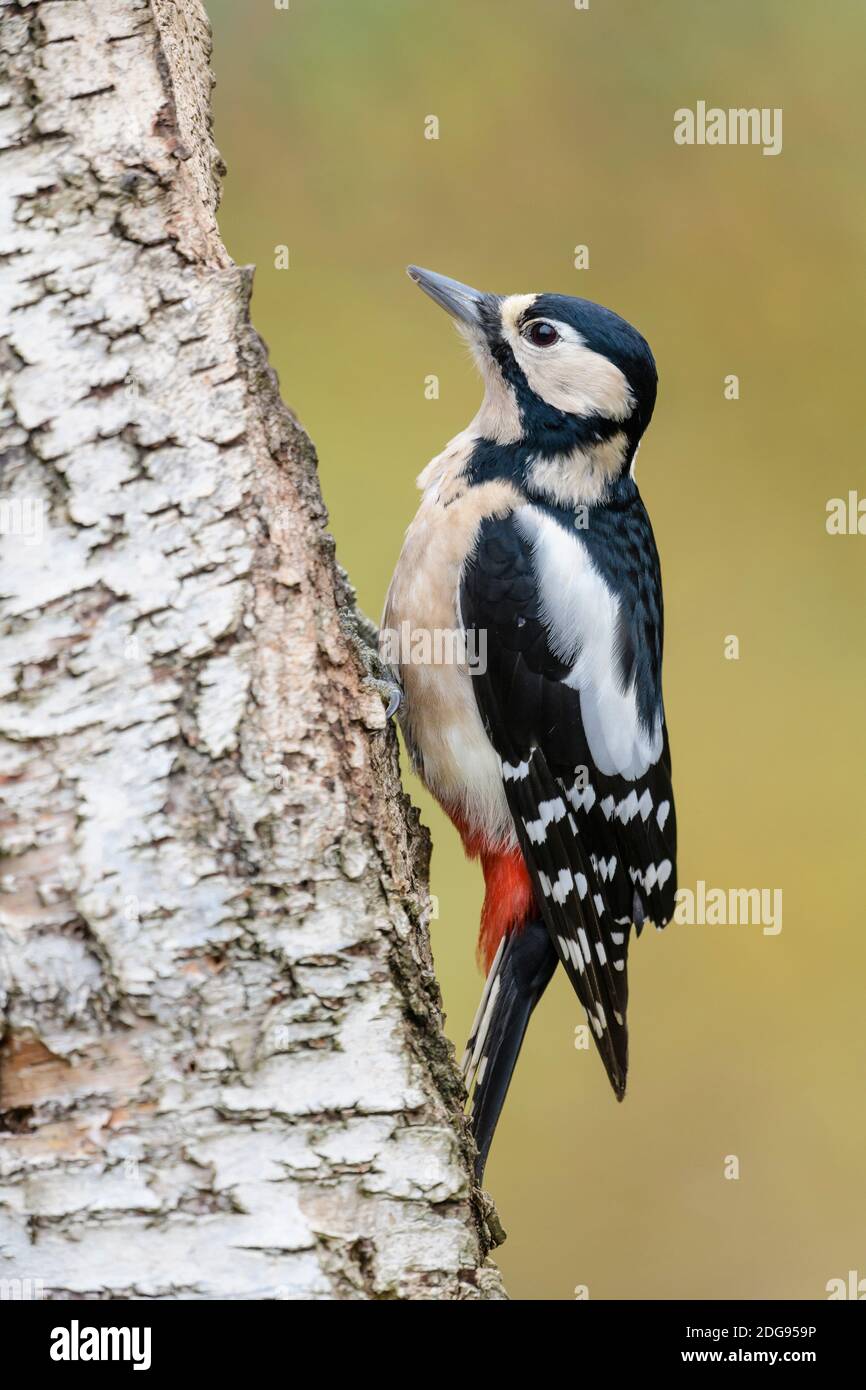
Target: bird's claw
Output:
{"points": [[365, 636], [390, 692]]}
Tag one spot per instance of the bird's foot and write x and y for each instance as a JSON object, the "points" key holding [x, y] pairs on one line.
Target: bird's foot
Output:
{"points": [[364, 635], [391, 692]]}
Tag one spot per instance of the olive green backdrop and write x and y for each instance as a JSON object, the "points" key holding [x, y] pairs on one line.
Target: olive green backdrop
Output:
{"points": [[556, 129]]}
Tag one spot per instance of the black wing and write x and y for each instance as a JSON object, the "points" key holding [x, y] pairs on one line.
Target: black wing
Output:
{"points": [[584, 749]]}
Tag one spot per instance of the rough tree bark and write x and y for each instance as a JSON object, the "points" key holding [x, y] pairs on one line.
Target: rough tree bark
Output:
{"points": [[223, 1070]]}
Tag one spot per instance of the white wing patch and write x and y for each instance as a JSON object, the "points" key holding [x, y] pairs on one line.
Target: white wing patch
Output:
{"points": [[580, 612]]}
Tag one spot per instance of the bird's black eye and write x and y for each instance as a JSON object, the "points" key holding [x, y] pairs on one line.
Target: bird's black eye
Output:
{"points": [[541, 334]]}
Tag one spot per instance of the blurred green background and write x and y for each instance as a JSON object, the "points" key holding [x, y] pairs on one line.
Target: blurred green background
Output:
{"points": [[556, 129]]}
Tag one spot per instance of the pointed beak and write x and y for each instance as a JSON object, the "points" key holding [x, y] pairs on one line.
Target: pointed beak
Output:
{"points": [[460, 301]]}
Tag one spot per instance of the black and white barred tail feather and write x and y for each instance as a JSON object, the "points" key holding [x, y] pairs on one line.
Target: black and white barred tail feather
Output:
{"points": [[518, 977], [472, 1054]]}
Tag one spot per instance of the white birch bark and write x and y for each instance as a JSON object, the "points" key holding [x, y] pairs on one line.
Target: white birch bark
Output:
{"points": [[222, 1069]]}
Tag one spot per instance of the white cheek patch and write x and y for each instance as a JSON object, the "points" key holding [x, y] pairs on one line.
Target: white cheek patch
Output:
{"points": [[581, 613], [568, 375]]}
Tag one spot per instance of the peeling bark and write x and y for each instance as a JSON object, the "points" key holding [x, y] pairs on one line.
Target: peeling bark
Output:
{"points": [[222, 1069]]}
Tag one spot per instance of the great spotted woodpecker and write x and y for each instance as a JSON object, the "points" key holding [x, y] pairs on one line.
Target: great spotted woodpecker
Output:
{"points": [[549, 750]]}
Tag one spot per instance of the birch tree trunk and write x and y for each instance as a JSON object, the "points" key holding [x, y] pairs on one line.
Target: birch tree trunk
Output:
{"points": [[222, 1065]]}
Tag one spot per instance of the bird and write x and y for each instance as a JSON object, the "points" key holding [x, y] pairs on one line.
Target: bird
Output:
{"points": [[542, 734]]}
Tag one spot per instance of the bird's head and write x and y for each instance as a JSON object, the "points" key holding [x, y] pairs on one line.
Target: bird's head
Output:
{"points": [[561, 374]]}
